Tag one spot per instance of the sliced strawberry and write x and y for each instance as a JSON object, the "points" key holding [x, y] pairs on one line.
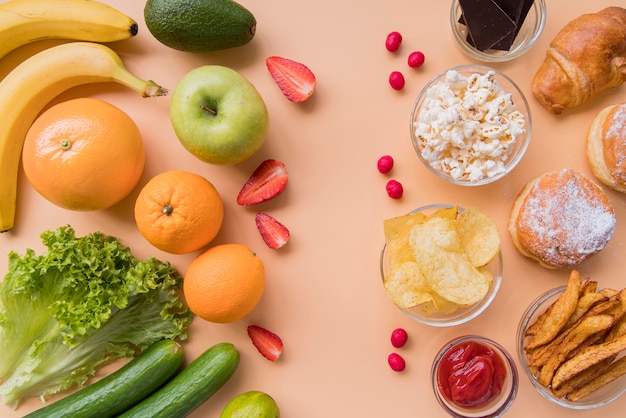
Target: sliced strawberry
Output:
{"points": [[269, 344], [294, 79], [273, 232], [266, 182]]}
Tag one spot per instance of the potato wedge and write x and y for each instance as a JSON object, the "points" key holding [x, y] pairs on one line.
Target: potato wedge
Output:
{"points": [[559, 314], [587, 327], [586, 358]]}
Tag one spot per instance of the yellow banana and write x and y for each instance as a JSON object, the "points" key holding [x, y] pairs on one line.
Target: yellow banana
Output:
{"points": [[24, 21], [26, 90]]}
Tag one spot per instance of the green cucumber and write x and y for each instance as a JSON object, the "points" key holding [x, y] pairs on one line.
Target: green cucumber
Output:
{"points": [[123, 388], [191, 387]]}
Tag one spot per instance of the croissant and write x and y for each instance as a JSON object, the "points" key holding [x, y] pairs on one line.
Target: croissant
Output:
{"points": [[586, 56]]}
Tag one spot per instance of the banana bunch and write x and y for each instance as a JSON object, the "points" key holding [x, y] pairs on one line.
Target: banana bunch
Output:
{"points": [[31, 85]]}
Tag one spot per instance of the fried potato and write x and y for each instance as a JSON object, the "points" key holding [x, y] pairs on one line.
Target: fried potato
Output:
{"points": [[580, 332], [479, 235], [437, 248], [440, 277], [406, 285], [563, 307], [587, 358], [612, 372], [397, 231]]}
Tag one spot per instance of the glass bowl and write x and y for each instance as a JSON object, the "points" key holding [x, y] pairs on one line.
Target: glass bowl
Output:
{"points": [[500, 403], [479, 153], [527, 36], [599, 398], [462, 315]]}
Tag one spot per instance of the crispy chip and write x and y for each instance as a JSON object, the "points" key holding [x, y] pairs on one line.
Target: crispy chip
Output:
{"points": [[479, 235], [563, 307], [406, 286], [442, 278], [437, 248]]}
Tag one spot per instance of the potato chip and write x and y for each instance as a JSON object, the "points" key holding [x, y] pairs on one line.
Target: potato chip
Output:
{"points": [[447, 270], [445, 279], [479, 235], [397, 231], [406, 286]]}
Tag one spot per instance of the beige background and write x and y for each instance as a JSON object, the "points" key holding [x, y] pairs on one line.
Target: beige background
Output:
{"points": [[324, 295]]}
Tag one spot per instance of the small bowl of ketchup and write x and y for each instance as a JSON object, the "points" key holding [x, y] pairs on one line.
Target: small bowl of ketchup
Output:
{"points": [[473, 376]]}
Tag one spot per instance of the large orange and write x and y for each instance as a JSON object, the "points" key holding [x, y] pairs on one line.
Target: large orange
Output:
{"points": [[179, 212], [224, 283], [83, 154]]}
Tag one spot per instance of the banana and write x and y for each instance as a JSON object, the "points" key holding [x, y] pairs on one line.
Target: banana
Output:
{"points": [[26, 90], [25, 21]]}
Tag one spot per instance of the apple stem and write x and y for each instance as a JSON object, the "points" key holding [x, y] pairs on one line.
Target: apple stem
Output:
{"points": [[208, 109]]}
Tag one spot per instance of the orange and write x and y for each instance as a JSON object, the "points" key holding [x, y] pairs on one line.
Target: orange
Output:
{"points": [[224, 283], [179, 212], [83, 154]]}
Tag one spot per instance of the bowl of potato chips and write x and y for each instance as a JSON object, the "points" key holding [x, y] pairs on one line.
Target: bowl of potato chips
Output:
{"points": [[441, 264], [572, 344]]}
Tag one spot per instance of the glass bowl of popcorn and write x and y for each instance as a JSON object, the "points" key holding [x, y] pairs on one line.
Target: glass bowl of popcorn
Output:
{"points": [[513, 28], [470, 125]]}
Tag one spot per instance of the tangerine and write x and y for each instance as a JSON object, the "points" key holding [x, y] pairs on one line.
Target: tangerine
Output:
{"points": [[179, 212], [224, 283], [83, 154]]}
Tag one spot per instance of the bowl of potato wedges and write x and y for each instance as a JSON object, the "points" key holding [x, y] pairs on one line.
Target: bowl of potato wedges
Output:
{"points": [[441, 264], [572, 343]]}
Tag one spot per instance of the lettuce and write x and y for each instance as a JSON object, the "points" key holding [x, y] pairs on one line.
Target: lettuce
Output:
{"points": [[83, 303]]}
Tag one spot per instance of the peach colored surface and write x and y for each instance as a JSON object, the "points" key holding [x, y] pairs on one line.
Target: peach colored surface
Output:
{"points": [[324, 295]]}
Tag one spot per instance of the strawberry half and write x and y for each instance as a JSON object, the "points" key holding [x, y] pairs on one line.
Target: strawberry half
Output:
{"points": [[266, 182], [269, 344], [294, 79], [273, 232]]}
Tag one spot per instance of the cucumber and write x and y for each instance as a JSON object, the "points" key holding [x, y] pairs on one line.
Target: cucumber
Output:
{"points": [[123, 388], [191, 387]]}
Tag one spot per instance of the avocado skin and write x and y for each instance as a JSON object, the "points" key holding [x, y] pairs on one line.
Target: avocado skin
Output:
{"points": [[199, 25]]}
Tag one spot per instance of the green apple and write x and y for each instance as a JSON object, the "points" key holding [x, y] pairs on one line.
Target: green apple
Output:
{"points": [[218, 115]]}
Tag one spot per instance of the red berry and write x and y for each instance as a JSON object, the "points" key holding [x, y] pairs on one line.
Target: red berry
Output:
{"points": [[399, 337], [416, 59], [385, 164], [396, 80], [393, 41], [396, 362], [394, 189]]}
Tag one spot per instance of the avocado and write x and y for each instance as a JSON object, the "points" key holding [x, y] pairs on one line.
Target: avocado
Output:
{"points": [[199, 25]]}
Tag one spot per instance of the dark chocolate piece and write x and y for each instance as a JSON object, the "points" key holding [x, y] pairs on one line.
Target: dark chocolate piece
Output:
{"points": [[486, 22], [523, 8]]}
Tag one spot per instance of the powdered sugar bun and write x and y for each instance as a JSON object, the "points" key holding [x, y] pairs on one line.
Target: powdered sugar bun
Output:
{"points": [[561, 218], [606, 146]]}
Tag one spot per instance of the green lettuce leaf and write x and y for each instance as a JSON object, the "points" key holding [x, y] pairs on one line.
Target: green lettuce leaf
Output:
{"points": [[83, 303]]}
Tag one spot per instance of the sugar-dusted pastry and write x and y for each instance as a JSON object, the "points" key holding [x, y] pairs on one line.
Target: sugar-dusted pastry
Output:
{"points": [[606, 146], [561, 218], [586, 56]]}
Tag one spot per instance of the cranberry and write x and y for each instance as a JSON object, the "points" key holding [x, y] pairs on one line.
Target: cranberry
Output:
{"points": [[399, 337], [396, 362], [393, 41], [396, 80], [416, 59], [385, 164], [394, 189]]}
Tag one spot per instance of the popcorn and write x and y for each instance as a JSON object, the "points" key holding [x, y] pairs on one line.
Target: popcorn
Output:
{"points": [[467, 126]]}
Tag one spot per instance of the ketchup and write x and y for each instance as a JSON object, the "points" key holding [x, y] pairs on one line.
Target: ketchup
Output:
{"points": [[471, 374]]}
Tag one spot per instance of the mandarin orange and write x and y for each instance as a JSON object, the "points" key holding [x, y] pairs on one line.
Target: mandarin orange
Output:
{"points": [[224, 283], [83, 154], [179, 212]]}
